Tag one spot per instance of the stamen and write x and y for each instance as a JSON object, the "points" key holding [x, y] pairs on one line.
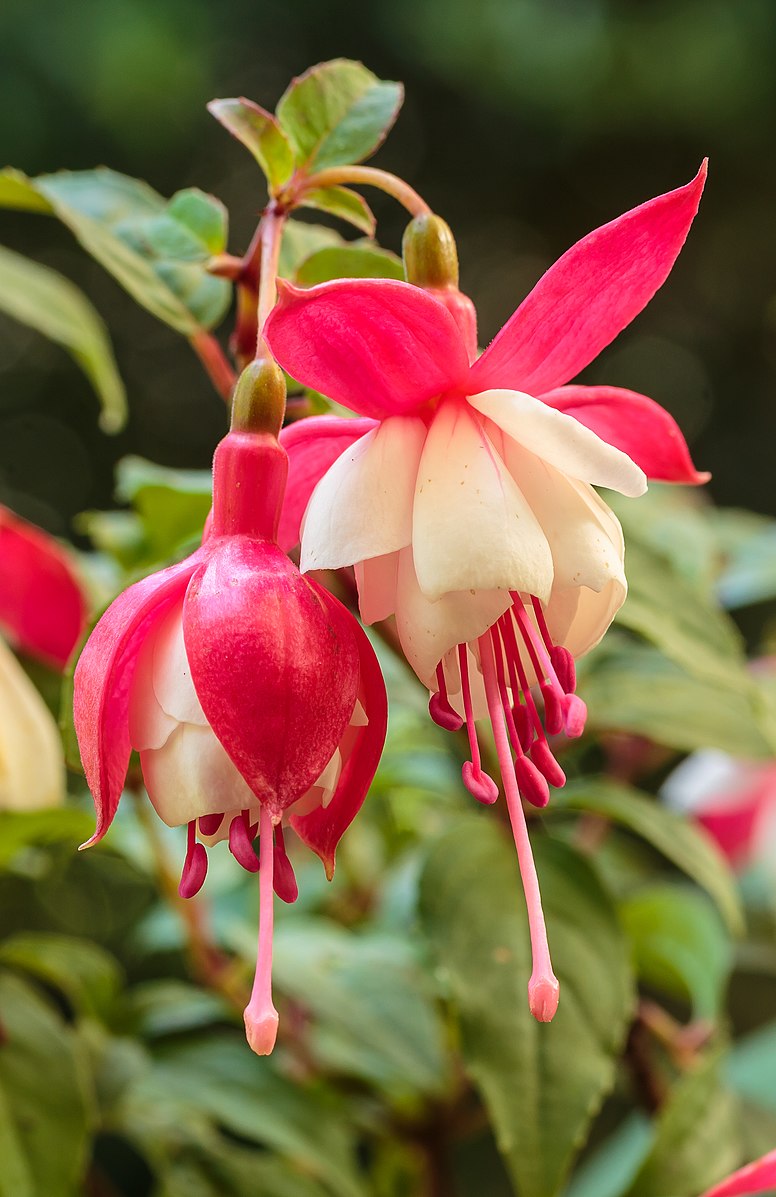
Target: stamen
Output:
{"points": [[533, 786], [562, 660], [439, 707], [195, 865], [514, 736], [478, 783], [209, 824], [545, 762], [286, 887], [576, 716], [552, 691], [543, 987], [261, 1017], [241, 843], [524, 713]]}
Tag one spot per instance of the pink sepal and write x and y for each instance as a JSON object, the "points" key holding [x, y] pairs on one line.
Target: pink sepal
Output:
{"points": [[754, 1178], [323, 828], [42, 605], [634, 423], [103, 678], [312, 445], [274, 667], [589, 295], [378, 346]]}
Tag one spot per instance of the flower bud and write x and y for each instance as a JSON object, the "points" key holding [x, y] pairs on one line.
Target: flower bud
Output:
{"points": [[259, 401], [430, 254]]}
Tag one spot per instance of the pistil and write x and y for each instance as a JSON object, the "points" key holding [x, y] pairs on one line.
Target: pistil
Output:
{"points": [[261, 1017]]}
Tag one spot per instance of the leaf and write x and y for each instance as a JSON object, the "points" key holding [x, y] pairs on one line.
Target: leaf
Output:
{"points": [[343, 203], [749, 544], [172, 504], [20, 829], [348, 261], [542, 1083], [87, 975], [44, 1091], [260, 133], [696, 1137], [338, 112], [608, 1170], [681, 842], [41, 298], [633, 687], [373, 1010], [751, 1067], [158, 1008], [679, 945], [157, 250], [299, 241]]}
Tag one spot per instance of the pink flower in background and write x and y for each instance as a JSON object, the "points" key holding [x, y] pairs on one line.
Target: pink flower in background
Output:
{"points": [[251, 694], [463, 495], [754, 1178]]}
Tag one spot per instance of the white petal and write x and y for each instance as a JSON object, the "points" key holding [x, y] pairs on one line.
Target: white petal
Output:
{"points": [[561, 440], [329, 778], [472, 527], [376, 581], [149, 725], [578, 617], [587, 547], [359, 718], [192, 776], [427, 630], [32, 769], [362, 507], [172, 676]]}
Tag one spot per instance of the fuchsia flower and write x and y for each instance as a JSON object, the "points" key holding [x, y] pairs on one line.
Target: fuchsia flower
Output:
{"points": [[754, 1178], [251, 694], [463, 495]]}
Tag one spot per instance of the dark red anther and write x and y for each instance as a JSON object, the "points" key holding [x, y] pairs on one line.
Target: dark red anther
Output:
{"points": [[531, 782], [565, 669], [545, 762], [195, 865], [524, 725], [479, 784], [554, 710], [284, 880], [575, 716], [443, 714], [241, 844], [209, 824]]}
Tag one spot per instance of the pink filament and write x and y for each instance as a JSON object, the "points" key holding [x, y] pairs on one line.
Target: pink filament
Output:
{"points": [[261, 1017], [543, 987], [478, 783]]}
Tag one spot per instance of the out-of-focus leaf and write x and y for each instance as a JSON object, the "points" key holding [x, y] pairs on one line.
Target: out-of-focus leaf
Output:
{"points": [[681, 842], [751, 1067], [337, 112], [633, 687], [172, 504], [87, 975], [300, 241], [349, 261], [41, 298], [696, 1136], [679, 945], [22, 829], [613, 1165], [260, 133], [157, 1008], [45, 1092], [541, 1083], [345, 205], [373, 1010], [156, 249], [676, 522], [748, 542]]}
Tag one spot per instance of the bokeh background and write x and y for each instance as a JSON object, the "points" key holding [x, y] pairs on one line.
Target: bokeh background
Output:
{"points": [[526, 123]]}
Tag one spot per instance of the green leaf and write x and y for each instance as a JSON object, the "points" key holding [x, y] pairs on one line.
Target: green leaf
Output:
{"points": [[37, 296], [679, 945], [172, 504], [87, 975], [260, 133], [542, 1083], [45, 1095], [338, 112], [343, 203], [680, 841], [751, 1067], [299, 241], [748, 542], [157, 1008], [22, 829], [349, 261], [696, 1137], [157, 250], [633, 687], [373, 1009], [610, 1168]]}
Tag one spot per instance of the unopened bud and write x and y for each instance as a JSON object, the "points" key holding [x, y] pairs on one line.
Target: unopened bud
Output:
{"points": [[259, 401], [430, 255]]}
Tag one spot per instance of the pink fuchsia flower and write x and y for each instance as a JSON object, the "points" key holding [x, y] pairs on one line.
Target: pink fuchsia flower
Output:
{"points": [[463, 495], [252, 696], [42, 612], [758, 1177]]}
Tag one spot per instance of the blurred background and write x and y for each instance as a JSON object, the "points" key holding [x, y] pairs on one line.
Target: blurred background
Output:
{"points": [[526, 124]]}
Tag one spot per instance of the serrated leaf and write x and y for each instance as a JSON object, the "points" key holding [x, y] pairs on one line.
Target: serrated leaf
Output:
{"points": [[344, 204], [43, 1084], [87, 975], [157, 250], [679, 945], [696, 1136], [299, 241], [41, 298], [541, 1082], [349, 261], [260, 133], [680, 841], [338, 112], [373, 1013]]}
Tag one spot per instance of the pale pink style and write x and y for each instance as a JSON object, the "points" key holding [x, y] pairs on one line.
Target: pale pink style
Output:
{"points": [[463, 495], [754, 1178], [252, 695]]}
